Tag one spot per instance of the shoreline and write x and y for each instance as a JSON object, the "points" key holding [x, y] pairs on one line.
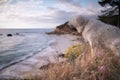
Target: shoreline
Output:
{"points": [[24, 57], [31, 66]]}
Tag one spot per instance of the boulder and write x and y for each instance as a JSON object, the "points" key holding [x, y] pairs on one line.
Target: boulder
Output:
{"points": [[1, 34], [9, 35], [16, 33]]}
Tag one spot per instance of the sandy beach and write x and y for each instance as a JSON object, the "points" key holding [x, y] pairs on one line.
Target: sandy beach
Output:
{"points": [[31, 66]]}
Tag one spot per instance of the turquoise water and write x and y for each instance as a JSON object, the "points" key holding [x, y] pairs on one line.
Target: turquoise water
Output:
{"points": [[14, 48]]}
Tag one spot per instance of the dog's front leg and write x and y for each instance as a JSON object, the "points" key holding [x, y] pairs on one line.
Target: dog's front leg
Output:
{"points": [[93, 47]]}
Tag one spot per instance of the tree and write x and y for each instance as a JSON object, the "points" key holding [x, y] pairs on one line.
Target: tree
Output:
{"points": [[109, 2], [111, 14]]}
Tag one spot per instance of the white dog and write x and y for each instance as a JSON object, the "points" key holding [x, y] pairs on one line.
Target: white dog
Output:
{"points": [[97, 33]]}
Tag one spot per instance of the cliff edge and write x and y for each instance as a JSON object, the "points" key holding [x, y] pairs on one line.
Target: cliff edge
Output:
{"points": [[64, 29]]}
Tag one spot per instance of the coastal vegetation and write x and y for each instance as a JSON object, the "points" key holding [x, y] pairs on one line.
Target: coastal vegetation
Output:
{"points": [[78, 63], [103, 66], [110, 15]]}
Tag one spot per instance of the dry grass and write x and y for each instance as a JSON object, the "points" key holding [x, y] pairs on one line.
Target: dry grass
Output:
{"points": [[103, 66]]}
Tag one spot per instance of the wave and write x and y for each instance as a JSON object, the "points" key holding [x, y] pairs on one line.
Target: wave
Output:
{"points": [[49, 41]]}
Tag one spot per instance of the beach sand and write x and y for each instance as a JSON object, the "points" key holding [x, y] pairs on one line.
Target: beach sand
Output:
{"points": [[31, 66]]}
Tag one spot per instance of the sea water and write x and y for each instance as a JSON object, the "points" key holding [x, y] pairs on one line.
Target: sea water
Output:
{"points": [[20, 46]]}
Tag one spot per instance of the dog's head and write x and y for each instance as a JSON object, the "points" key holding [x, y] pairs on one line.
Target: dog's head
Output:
{"points": [[78, 22]]}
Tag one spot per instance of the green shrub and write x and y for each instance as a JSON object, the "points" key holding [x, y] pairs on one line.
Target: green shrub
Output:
{"points": [[113, 20]]}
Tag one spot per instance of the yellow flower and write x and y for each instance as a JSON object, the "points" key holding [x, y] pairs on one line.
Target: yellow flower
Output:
{"points": [[76, 50]]}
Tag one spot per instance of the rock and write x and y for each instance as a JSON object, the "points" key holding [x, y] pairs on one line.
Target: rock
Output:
{"points": [[61, 55], [1, 34], [64, 29], [46, 66], [9, 35], [16, 33]]}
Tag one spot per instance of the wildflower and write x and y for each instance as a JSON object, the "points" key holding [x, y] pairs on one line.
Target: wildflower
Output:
{"points": [[102, 68], [99, 54]]}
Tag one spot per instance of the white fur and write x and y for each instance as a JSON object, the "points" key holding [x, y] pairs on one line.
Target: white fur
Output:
{"points": [[97, 33]]}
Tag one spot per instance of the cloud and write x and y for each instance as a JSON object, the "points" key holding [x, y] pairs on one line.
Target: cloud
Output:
{"points": [[59, 15], [3, 5], [18, 13], [54, 17], [71, 3], [32, 14], [2, 2], [75, 6], [38, 14]]}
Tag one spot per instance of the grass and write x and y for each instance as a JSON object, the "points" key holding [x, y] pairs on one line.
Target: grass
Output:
{"points": [[103, 66], [81, 65]]}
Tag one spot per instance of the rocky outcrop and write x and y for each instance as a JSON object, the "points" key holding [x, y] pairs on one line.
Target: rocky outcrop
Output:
{"points": [[64, 29]]}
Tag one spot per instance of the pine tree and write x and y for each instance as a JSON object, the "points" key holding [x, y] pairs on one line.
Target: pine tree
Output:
{"points": [[111, 14]]}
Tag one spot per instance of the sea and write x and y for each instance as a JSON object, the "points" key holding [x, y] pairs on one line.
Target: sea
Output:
{"points": [[17, 45]]}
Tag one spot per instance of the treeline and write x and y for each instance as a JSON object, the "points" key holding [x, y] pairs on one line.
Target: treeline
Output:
{"points": [[111, 14]]}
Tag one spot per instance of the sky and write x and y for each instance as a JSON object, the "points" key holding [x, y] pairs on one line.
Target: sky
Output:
{"points": [[44, 13]]}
